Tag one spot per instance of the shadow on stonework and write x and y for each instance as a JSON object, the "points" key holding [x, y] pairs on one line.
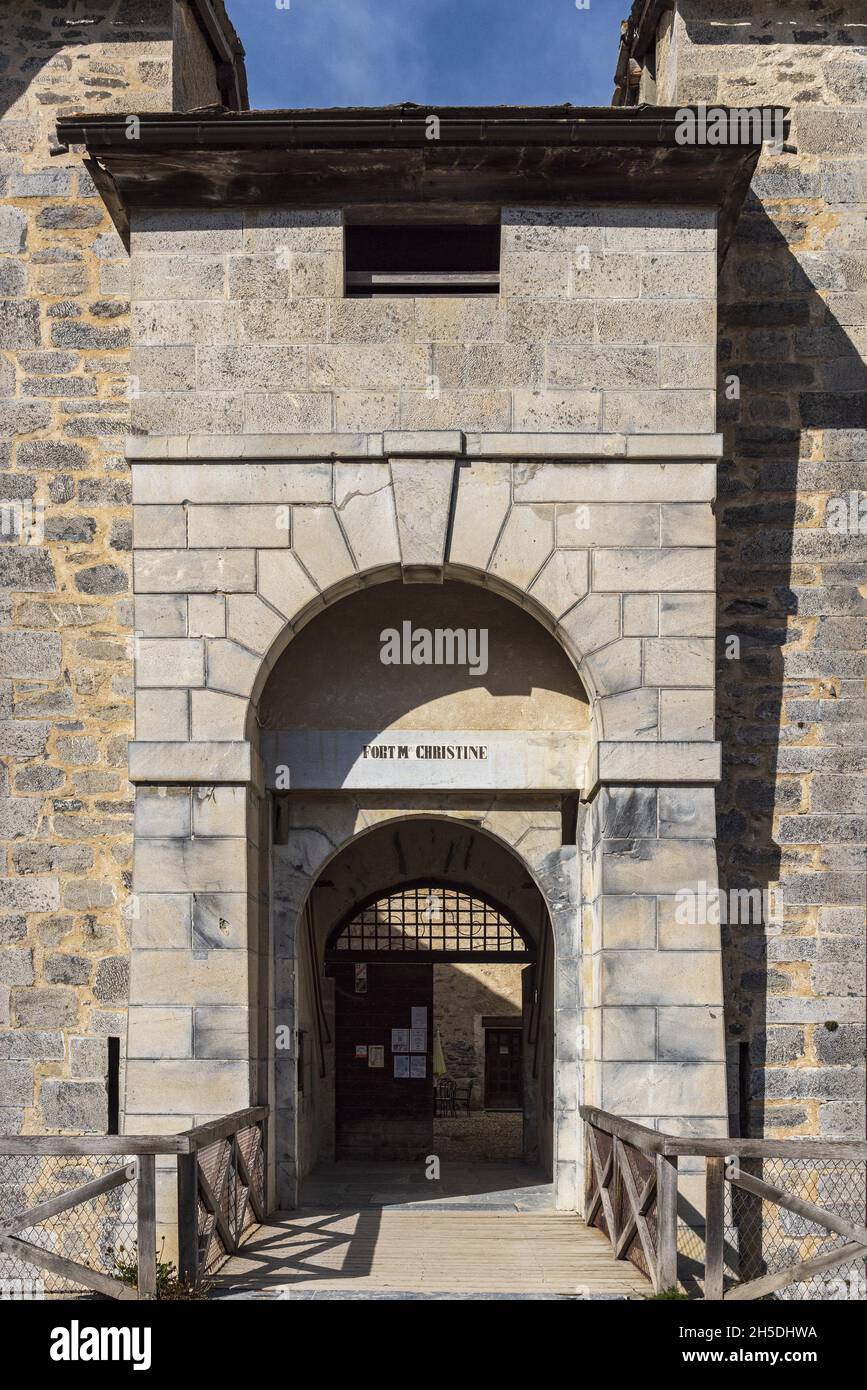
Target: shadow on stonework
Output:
{"points": [[787, 582]]}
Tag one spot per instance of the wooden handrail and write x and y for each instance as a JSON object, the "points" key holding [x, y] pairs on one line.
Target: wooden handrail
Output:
{"points": [[203, 1135], [661, 1257], [131, 1145], [679, 1146], [144, 1148]]}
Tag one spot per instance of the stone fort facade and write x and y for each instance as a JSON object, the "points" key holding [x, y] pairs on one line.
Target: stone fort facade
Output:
{"points": [[205, 445]]}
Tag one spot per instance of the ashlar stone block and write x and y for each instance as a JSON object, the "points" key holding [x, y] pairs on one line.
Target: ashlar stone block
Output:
{"points": [[366, 504], [653, 571], [563, 581], [525, 544], [482, 504], [679, 660], [155, 1032], [170, 661], [628, 1034], [320, 546]]}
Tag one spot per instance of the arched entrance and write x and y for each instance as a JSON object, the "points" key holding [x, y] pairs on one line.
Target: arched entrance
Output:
{"points": [[403, 780], [423, 964]]}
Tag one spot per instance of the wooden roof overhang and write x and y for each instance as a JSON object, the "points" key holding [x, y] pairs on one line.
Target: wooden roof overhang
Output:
{"points": [[385, 156]]}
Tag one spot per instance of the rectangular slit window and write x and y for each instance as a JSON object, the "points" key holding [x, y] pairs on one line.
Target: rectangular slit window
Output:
{"points": [[112, 1085], [423, 259]]}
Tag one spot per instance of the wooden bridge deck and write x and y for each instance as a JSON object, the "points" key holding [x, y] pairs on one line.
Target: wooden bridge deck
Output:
{"points": [[379, 1251]]}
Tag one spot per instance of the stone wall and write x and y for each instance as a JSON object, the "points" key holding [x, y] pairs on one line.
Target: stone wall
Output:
{"points": [[463, 996], [791, 713], [65, 585], [605, 322]]}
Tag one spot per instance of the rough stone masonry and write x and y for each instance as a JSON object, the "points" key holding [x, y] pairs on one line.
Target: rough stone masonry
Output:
{"points": [[65, 590], [791, 704]]}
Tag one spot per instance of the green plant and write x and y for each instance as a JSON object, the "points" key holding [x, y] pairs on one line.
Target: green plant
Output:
{"points": [[667, 1293], [169, 1286]]}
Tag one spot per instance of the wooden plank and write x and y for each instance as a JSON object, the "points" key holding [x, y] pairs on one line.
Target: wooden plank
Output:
{"points": [[116, 1178], [203, 1135], [146, 1223], [809, 1210], [645, 1202], [714, 1239], [794, 1274], [806, 1149], [188, 1218], [68, 1269], [637, 1216], [99, 1145], [244, 1172], [213, 1204], [601, 1182], [434, 1251], [603, 1191], [666, 1223], [652, 1141]]}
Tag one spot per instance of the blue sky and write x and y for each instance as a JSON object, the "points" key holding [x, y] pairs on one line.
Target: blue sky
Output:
{"points": [[445, 52]]}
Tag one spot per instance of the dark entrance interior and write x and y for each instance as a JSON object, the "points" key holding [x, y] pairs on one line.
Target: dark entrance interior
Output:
{"points": [[380, 1115], [416, 936], [395, 1074]]}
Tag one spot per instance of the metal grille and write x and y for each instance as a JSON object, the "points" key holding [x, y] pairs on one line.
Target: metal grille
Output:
{"points": [[91, 1233], [430, 920], [763, 1238]]}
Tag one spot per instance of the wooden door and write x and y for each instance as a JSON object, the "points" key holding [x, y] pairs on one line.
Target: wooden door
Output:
{"points": [[503, 1070], [379, 1115]]}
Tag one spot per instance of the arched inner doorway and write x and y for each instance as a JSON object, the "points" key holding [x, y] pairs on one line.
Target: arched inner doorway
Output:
{"points": [[424, 946]]}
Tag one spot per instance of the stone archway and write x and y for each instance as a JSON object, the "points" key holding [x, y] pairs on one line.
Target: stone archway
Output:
{"points": [[632, 618], [313, 891]]}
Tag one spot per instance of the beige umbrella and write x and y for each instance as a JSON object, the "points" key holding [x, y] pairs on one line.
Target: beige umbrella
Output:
{"points": [[439, 1061]]}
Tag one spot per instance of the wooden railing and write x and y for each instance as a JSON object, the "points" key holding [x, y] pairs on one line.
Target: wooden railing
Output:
{"points": [[749, 1251], [221, 1190], [221, 1197]]}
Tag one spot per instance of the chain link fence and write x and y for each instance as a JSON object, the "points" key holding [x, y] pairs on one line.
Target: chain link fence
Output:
{"points": [[95, 1233]]}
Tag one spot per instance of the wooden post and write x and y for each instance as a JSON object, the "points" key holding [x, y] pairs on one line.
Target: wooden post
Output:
{"points": [[666, 1223], [188, 1218], [146, 1222], [714, 1236], [267, 1186]]}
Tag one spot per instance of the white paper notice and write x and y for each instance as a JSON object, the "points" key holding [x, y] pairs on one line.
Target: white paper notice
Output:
{"points": [[400, 1040], [401, 1066], [418, 1040], [419, 1018], [418, 1066]]}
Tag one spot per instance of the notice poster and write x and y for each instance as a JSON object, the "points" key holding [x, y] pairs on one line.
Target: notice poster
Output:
{"points": [[418, 1066], [401, 1067], [400, 1040], [418, 1040], [419, 1017], [361, 1052], [361, 979], [376, 1056]]}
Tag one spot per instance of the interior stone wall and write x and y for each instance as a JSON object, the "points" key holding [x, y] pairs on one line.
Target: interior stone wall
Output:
{"points": [[463, 995]]}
